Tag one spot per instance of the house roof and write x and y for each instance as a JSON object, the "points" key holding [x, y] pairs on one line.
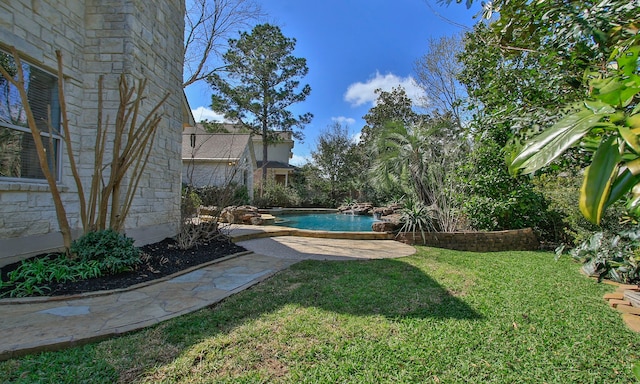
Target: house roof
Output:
{"points": [[213, 146], [276, 164]]}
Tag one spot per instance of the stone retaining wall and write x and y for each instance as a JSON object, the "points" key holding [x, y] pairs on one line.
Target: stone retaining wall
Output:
{"points": [[513, 240]]}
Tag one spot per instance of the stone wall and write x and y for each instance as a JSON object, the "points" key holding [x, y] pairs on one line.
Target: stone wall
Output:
{"points": [[513, 240], [98, 37]]}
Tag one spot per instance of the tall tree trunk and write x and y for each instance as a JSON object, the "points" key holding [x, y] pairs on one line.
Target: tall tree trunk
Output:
{"points": [[265, 147]]}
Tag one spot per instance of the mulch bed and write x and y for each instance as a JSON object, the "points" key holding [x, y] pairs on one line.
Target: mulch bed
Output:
{"points": [[158, 260]]}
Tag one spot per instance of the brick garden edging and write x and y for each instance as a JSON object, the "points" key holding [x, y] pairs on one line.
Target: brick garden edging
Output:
{"points": [[511, 240], [617, 300]]}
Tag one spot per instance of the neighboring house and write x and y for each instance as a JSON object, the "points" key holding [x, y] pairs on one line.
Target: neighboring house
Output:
{"points": [[141, 38], [278, 155], [217, 159]]}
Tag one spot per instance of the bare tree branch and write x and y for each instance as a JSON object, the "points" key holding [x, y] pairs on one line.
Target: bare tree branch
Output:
{"points": [[208, 26], [436, 74]]}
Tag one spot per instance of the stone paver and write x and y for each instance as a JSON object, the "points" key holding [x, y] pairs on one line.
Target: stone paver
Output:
{"points": [[304, 248], [36, 325]]}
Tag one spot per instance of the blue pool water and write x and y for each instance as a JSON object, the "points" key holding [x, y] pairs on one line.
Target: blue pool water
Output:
{"points": [[327, 222]]}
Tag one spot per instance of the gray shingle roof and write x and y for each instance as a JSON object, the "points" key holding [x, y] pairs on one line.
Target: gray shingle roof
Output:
{"points": [[275, 164], [213, 145]]}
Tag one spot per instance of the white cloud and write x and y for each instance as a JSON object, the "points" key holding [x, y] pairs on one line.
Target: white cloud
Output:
{"points": [[203, 113], [356, 137], [299, 160], [344, 120], [361, 93]]}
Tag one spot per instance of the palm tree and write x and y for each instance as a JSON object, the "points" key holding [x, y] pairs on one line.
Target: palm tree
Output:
{"points": [[402, 154]]}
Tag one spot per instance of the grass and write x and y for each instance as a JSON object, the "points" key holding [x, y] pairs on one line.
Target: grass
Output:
{"points": [[439, 316]]}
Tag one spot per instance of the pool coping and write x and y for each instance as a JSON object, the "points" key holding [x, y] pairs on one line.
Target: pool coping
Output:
{"points": [[241, 232]]}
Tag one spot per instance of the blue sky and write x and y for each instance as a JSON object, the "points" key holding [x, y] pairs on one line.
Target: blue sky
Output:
{"points": [[352, 47]]}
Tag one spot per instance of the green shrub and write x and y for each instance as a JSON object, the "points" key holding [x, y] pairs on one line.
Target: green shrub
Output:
{"points": [[190, 201], [276, 195], [97, 254], [349, 201], [415, 216], [562, 191], [231, 194], [520, 208], [494, 200], [113, 251], [241, 195], [613, 256], [33, 276]]}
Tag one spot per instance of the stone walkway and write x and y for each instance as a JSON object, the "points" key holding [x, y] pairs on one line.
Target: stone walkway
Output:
{"points": [[38, 324]]}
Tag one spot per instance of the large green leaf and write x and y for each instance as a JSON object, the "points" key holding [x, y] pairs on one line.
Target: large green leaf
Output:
{"points": [[628, 61], [620, 90], [633, 122], [598, 180], [630, 138], [599, 107], [546, 147], [622, 185], [636, 370], [634, 202]]}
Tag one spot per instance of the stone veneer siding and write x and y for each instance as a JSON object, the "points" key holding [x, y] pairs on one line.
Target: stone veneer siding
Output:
{"points": [[513, 240], [140, 38]]}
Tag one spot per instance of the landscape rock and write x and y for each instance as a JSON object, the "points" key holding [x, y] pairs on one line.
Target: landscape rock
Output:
{"points": [[256, 221], [243, 214], [209, 210], [384, 226]]}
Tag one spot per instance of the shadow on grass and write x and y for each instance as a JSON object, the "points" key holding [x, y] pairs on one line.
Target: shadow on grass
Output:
{"points": [[356, 284], [390, 288], [364, 289]]}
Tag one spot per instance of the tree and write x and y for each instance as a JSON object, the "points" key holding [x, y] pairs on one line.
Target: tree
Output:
{"points": [[390, 106], [437, 72], [334, 157], [521, 89], [402, 159], [608, 124], [511, 92], [262, 82], [494, 200], [393, 106], [208, 26], [560, 45]]}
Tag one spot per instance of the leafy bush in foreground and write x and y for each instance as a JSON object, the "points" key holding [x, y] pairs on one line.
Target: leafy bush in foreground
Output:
{"points": [[33, 276], [97, 254], [113, 251], [610, 256]]}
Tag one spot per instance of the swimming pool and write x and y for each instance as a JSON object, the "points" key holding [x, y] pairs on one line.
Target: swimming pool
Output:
{"points": [[326, 222]]}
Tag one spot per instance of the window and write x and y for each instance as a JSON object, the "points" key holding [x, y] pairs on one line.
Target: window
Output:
{"points": [[18, 156]]}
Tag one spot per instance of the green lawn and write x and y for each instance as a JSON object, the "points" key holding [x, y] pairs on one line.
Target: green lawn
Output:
{"points": [[438, 316]]}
